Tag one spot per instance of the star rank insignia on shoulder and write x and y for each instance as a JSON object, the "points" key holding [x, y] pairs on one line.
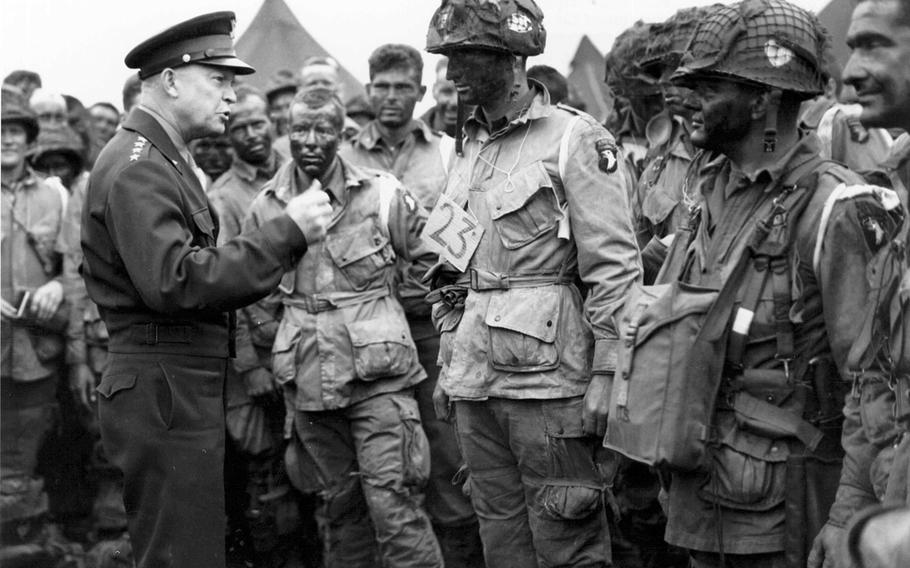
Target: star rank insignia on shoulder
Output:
{"points": [[138, 146]]}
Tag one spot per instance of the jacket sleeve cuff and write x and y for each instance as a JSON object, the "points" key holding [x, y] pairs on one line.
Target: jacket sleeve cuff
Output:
{"points": [[605, 356]]}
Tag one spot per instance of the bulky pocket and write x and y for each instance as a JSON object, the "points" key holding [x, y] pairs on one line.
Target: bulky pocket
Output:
{"points": [[361, 254], [571, 502], [415, 447], [381, 348], [522, 323], [524, 206], [284, 352], [747, 472]]}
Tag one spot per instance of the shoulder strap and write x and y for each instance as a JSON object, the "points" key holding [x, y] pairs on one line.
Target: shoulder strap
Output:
{"points": [[565, 228], [446, 152], [769, 251], [387, 188]]}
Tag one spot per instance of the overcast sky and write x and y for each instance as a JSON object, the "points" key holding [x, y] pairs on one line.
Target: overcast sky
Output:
{"points": [[77, 46]]}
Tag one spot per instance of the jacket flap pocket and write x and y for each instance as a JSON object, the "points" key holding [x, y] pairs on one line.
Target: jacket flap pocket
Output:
{"points": [[112, 384], [351, 246], [287, 337], [519, 189], [658, 204], [530, 311], [383, 330]]}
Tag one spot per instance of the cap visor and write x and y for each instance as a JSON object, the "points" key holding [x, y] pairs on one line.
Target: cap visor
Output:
{"points": [[239, 67]]}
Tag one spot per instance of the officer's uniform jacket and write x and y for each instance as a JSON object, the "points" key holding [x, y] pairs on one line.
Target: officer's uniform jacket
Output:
{"points": [[828, 291], [149, 234], [877, 427], [526, 331], [419, 166], [32, 211], [343, 337]]}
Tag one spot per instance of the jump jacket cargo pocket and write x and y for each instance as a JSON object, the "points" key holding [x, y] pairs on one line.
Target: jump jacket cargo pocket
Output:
{"points": [[415, 448], [284, 352], [381, 348], [747, 472], [361, 254], [524, 206], [522, 324]]}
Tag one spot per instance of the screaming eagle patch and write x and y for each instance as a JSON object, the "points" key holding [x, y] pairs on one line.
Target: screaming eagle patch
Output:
{"points": [[608, 155]]}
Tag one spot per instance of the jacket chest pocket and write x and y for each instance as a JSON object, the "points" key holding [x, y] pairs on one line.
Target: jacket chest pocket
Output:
{"points": [[361, 254], [524, 207], [204, 235]]}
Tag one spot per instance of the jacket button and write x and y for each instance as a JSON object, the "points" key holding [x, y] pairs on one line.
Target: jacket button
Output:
{"points": [[549, 323], [770, 398], [497, 318]]}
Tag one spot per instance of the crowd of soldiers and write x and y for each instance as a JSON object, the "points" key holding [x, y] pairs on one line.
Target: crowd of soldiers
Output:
{"points": [[275, 328]]}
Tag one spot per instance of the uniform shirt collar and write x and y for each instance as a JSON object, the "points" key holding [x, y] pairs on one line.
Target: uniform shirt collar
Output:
{"points": [[538, 107], [804, 150], [248, 172], [27, 178], [370, 136], [344, 176]]}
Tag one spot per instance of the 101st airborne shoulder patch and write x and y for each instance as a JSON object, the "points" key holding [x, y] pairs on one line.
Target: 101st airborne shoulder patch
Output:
{"points": [[608, 155]]}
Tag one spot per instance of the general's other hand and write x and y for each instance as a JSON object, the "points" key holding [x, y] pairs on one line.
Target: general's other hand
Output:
{"points": [[46, 300], [82, 384], [829, 549], [597, 405], [311, 211]]}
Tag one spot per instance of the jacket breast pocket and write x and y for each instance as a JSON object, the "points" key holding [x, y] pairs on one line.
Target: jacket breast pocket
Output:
{"points": [[522, 323], [361, 254], [381, 348], [524, 207], [204, 235]]}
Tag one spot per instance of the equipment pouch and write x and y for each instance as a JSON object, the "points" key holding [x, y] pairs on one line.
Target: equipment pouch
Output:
{"points": [[657, 414]]}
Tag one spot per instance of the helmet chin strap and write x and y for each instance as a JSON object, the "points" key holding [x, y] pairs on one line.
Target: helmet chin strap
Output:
{"points": [[459, 127], [770, 136]]}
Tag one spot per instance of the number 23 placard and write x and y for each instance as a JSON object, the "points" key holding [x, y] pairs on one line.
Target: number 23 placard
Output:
{"points": [[452, 232]]}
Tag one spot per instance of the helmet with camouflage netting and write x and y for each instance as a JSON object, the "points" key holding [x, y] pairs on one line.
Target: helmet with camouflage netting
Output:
{"points": [[507, 26], [668, 40], [766, 42], [624, 73]]}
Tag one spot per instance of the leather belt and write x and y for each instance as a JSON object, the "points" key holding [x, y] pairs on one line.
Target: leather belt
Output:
{"points": [[154, 333], [479, 280]]}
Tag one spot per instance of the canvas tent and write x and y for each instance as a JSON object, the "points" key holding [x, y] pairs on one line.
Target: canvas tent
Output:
{"points": [[257, 46], [836, 18], [586, 79]]}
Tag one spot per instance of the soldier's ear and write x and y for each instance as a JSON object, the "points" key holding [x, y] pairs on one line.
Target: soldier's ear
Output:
{"points": [[761, 103], [168, 79], [422, 91]]}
